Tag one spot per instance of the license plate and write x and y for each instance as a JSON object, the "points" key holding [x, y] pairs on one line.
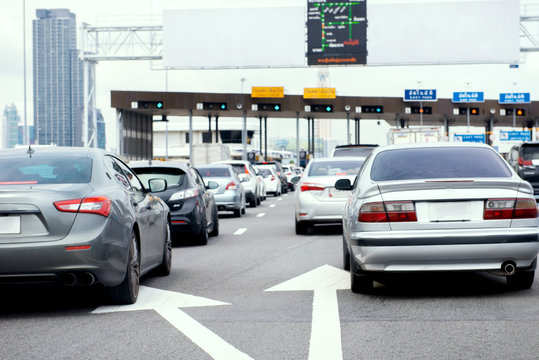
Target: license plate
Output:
{"points": [[450, 211], [10, 224]]}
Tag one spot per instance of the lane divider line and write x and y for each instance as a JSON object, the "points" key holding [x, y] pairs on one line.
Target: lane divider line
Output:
{"points": [[261, 214], [272, 205], [240, 231]]}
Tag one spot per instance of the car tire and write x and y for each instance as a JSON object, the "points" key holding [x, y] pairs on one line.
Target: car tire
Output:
{"points": [[127, 291], [238, 212], [522, 280], [345, 255], [202, 238], [258, 200], [215, 229], [166, 264], [302, 228], [252, 203], [243, 209], [277, 193], [360, 283]]}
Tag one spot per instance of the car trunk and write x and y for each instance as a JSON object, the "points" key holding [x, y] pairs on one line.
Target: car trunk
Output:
{"points": [[28, 214], [223, 182], [329, 193], [449, 204]]}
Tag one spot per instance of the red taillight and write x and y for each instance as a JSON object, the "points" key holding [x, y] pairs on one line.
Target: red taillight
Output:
{"points": [[231, 186], [272, 177], [99, 205], [391, 211], [503, 209], [521, 161], [17, 182], [80, 247], [311, 187]]}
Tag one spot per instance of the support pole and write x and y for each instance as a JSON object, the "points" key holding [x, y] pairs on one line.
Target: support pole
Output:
{"points": [[217, 129], [265, 138], [119, 132], [244, 136], [446, 127], [191, 136], [297, 138], [358, 131], [261, 135], [348, 127], [84, 122], [94, 103], [308, 135], [209, 127]]}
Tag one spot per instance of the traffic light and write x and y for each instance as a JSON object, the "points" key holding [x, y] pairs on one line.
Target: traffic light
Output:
{"points": [[521, 112], [372, 109], [425, 110], [322, 108], [473, 111], [215, 106], [269, 107], [151, 105]]}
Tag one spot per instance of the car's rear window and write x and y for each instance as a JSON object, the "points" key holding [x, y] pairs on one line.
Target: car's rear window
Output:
{"points": [[46, 170], [173, 176], [214, 172], [353, 151], [239, 168], [335, 168], [530, 151], [438, 163]]}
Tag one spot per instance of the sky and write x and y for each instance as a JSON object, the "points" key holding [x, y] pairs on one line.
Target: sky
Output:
{"points": [[142, 75]]}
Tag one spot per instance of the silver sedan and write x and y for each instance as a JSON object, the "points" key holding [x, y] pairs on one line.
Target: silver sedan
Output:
{"points": [[439, 207]]}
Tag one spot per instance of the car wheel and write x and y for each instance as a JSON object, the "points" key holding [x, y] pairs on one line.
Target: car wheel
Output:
{"points": [[202, 238], [252, 203], [166, 264], [238, 212], [258, 200], [243, 208], [360, 283], [522, 280], [277, 193], [301, 228], [127, 291], [215, 229], [345, 255]]}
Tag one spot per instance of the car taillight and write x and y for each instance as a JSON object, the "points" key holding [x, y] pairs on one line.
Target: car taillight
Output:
{"points": [[500, 209], [311, 187], [272, 177], [231, 186], [184, 194], [390, 211], [521, 161], [99, 205]]}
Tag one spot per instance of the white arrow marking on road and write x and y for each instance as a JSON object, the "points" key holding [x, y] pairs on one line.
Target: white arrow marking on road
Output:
{"points": [[261, 214], [166, 304], [240, 231], [272, 205], [325, 341]]}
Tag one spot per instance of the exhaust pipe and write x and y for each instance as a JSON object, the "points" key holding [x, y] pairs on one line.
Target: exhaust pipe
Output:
{"points": [[86, 279], [69, 279], [509, 268]]}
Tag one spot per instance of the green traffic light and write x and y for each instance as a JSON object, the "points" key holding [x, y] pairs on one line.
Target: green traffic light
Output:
{"points": [[159, 105], [223, 106], [328, 108], [277, 107]]}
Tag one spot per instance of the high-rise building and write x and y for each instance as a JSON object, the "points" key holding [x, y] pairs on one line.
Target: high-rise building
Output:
{"points": [[58, 85], [11, 126]]}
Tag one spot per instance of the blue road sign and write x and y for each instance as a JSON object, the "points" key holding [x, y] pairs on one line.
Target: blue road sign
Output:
{"points": [[515, 136], [420, 95], [468, 97], [514, 98], [474, 138]]}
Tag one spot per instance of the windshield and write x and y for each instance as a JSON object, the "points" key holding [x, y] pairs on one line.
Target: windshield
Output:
{"points": [[530, 151], [437, 163], [173, 176], [45, 170], [335, 168]]}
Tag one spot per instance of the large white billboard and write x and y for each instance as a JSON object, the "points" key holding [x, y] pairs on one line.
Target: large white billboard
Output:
{"points": [[406, 32], [234, 37]]}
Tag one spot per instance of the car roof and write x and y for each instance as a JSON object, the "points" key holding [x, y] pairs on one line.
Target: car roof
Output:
{"points": [[339, 159], [43, 150], [348, 146], [159, 164]]}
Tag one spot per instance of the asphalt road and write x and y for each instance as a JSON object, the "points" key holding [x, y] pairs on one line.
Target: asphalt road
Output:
{"points": [[453, 316]]}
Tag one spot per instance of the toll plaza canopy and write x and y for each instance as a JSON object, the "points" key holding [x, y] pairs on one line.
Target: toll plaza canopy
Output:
{"points": [[135, 110]]}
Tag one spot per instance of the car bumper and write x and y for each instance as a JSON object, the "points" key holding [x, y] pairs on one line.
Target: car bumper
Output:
{"points": [[310, 209], [229, 201], [443, 250], [49, 261], [187, 219]]}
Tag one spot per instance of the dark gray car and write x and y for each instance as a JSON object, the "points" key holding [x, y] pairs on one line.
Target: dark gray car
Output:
{"points": [[79, 217]]}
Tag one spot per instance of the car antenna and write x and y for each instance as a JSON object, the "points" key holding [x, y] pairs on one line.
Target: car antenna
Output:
{"points": [[30, 151]]}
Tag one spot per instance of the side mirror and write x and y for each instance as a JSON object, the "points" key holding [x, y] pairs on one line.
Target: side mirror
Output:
{"points": [[244, 179], [212, 185], [157, 185], [343, 184], [294, 180]]}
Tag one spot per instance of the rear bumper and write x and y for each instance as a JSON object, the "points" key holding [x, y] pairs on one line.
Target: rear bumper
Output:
{"points": [[310, 209], [459, 250], [229, 201], [187, 219]]}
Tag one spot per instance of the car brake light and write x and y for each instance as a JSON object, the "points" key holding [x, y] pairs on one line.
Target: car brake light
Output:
{"points": [[500, 209], [184, 194], [231, 186], [272, 177], [311, 187], [521, 161], [99, 205], [391, 211]]}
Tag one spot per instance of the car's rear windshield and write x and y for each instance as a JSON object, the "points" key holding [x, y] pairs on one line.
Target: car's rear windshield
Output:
{"points": [[239, 168], [438, 163], [335, 168], [214, 172], [353, 151], [173, 176], [530, 151], [45, 170]]}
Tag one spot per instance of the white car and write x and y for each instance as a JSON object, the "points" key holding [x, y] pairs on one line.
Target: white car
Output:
{"points": [[316, 199], [249, 180], [273, 184]]}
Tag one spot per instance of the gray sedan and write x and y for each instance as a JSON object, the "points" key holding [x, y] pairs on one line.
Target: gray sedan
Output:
{"points": [[439, 207], [79, 217], [230, 194]]}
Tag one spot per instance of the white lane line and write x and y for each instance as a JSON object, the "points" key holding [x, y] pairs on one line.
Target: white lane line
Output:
{"points": [[240, 231], [280, 199], [272, 205], [261, 214]]}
